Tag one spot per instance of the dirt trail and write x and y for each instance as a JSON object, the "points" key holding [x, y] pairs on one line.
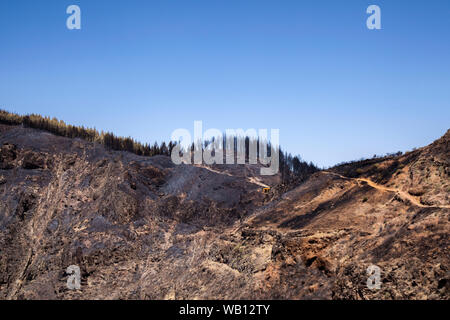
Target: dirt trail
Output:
{"points": [[252, 180], [212, 170], [256, 181], [402, 194]]}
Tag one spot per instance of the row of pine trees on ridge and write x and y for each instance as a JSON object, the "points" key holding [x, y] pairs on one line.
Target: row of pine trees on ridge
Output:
{"points": [[292, 168]]}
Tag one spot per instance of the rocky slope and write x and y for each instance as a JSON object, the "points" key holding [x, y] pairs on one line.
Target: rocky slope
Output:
{"points": [[143, 228]]}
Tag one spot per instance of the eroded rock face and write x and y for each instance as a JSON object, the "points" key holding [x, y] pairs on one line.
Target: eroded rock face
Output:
{"points": [[143, 228]]}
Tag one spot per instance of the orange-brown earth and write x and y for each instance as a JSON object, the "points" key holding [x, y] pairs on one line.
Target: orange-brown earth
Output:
{"points": [[143, 228]]}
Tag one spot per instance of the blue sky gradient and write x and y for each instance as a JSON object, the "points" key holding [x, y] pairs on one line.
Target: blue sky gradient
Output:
{"points": [[336, 90]]}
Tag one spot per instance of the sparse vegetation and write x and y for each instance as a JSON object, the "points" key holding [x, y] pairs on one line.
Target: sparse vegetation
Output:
{"points": [[109, 140], [292, 168]]}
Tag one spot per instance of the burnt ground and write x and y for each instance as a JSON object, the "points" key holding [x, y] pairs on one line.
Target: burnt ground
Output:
{"points": [[143, 228]]}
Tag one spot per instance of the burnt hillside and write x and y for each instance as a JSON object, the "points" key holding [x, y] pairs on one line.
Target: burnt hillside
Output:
{"points": [[142, 228]]}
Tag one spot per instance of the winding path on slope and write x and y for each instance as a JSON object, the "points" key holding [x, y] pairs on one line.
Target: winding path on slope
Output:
{"points": [[401, 193], [252, 180]]}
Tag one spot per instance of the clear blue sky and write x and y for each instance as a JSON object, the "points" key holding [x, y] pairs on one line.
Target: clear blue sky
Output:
{"points": [[336, 90]]}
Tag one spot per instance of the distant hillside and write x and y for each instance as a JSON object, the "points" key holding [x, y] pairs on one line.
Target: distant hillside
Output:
{"points": [[62, 129], [292, 168]]}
